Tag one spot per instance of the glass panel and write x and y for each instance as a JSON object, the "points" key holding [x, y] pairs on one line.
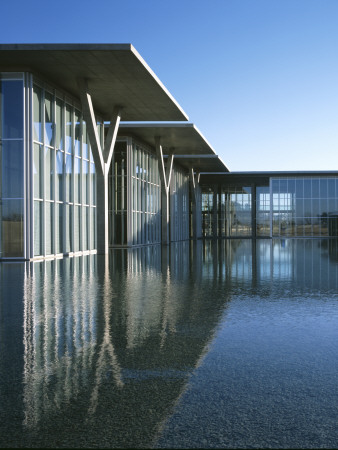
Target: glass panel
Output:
{"points": [[48, 119], [77, 163], [307, 188], [11, 109], [323, 187], [59, 124], [59, 175], [68, 222], [49, 174], [331, 188], [77, 228], [12, 169], [58, 227], [92, 184], [85, 181], [77, 133], [37, 170], [49, 227], [68, 180], [85, 146], [68, 129], [37, 114], [11, 216], [37, 228], [315, 188]]}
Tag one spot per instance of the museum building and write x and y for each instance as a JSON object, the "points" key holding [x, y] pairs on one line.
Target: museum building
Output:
{"points": [[96, 153]]}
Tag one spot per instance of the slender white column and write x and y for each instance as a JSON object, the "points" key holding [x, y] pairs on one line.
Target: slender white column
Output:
{"points": [[102, 159], [165, 177], [192, 183]]}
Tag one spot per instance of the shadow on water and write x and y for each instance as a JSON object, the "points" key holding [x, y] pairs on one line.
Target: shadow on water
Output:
{"points": [[98, 351]]}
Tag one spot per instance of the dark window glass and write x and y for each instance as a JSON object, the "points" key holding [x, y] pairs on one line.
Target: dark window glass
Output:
{"points": [[300, 188], [331, 187], [11, 109], [292, 186], [315, 188], [12, 169], [323, 188], [12, 228], [307, 188], [48, 119]]}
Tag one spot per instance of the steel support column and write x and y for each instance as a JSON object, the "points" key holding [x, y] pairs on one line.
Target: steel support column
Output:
{"points": [[165, 177], [102, 159]]}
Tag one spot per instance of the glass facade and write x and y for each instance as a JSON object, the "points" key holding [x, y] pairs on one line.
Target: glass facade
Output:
{"points": [[179, 205], [227, 212], [64, 193], [134, 195], [304, 206], [11, 165]]}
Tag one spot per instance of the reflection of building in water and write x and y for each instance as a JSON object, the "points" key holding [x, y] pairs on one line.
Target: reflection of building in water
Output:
{"points": [[308, 262], [110, 351]]}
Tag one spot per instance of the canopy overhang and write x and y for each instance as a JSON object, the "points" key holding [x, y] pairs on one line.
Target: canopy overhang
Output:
{"points": [[189, 146], [115, 73]]}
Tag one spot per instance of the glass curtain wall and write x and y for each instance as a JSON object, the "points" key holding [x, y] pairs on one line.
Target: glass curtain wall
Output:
{"points": [[134, 195], [179, 205], [64, 184], [11, 165], [146, 196], [262, 211], [304, 206], [233, 212]]}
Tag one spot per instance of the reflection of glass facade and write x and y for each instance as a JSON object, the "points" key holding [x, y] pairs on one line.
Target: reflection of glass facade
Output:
{"points": [[11, 166]]}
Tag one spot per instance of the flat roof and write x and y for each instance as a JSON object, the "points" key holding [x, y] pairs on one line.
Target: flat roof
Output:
{"points": [[259, 177], [116, 74], [189, 145]]}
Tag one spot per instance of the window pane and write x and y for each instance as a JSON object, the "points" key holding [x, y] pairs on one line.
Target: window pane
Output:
{"points": [[68, 129], [59, 124], [77, 133], [37, 228], [59, 175], [58, 227], [11, 109], [77, 169], [49, 227], [85, 153], [12, 169], [48, 119], [49, 174], [68, 180], [11, 216], [85, 181], [37, 169]]}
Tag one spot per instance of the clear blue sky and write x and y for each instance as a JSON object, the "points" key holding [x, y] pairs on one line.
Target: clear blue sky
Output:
{"points": [[259, 78]]}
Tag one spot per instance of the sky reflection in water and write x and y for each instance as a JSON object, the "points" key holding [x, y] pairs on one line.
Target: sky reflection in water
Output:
{"points": [[222, 344]]}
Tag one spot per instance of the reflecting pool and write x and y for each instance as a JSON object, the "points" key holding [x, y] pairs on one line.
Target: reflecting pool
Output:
{"points": [[230, 343]]}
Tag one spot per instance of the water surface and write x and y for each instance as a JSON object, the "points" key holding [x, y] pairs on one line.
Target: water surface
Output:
{"points": [[231, 343]]}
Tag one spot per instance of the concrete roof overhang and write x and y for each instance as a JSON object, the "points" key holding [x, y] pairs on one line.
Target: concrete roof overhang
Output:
{"points": [[116, 75], [190, 147]]}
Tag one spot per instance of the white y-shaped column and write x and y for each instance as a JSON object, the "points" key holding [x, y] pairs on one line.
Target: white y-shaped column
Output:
{"points": [[165, 177], [193, 182], [102, 159]]}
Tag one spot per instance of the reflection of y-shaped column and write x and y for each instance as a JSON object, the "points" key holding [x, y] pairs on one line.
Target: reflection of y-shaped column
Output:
{"points": [[102, 158], [107, 353]]}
